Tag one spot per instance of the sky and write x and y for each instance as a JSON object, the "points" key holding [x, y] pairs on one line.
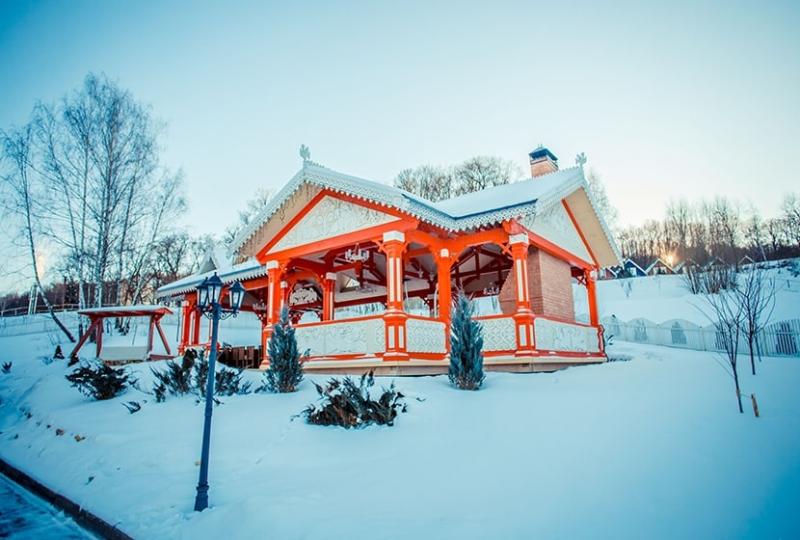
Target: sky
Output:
{"points": [[667, 99]]}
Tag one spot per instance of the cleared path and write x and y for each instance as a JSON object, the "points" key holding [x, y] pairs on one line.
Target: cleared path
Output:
{"points": [[23, 515]]}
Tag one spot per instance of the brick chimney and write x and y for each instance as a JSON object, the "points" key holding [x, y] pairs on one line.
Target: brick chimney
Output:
{"points": [[543, 161]]}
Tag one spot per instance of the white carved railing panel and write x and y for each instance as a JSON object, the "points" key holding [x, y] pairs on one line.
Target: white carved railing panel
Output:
{"points": [[563, 336], [499, 334], [425, 336], [345, 337]]}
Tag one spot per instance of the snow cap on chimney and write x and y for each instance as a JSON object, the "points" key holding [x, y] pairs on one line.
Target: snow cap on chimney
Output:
{"points": [[543, 161]]}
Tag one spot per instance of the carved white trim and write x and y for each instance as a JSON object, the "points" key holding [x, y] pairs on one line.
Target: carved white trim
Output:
{"points": [[499, 334], [328, 218], [425, 336], [388, 236], [520, 238], [555, 225], [562, 336], [345, 337]]}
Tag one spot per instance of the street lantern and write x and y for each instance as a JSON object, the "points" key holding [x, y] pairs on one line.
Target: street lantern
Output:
{"points": [[214, 288], [235, 296], [202, 295], [208, 303]]}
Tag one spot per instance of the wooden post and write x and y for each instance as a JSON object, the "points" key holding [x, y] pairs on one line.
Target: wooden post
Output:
{"points": [[163, 336], [150, 328], [395, 317], [328, 296], [98, 326], [755, 405], [523, 315], [591, 292], [444, 263]]}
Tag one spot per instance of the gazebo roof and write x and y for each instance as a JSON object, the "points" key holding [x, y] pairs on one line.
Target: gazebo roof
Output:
{"points": [[473, 210]]}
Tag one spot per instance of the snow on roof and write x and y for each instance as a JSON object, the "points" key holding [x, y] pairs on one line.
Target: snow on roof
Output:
{"points": [[113, 309], [514, 194], [246, 270], [486, 207]]}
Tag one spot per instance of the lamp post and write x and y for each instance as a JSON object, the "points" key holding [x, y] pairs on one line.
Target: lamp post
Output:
{"points": [[208, 303]]}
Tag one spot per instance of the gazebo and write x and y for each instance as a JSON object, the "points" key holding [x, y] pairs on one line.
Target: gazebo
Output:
{"points": [[117, 354], [368, 270]]}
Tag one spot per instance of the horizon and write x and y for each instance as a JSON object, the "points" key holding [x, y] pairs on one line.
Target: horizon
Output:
{"points": [[696, 108]]}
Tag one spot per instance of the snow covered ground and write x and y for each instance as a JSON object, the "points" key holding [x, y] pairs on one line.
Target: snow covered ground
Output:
{"points": [[653, 447], [661, 298]]}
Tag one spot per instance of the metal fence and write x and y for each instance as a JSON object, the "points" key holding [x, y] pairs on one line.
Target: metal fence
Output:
{"points": [[781, 338]]}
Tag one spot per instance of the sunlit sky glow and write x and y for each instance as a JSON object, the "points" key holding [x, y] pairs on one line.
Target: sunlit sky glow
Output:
{"points": [[667, 99]]}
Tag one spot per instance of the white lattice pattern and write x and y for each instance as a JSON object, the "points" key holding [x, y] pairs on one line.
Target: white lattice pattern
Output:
{"points": [[328, 218], [499, 334], [425, 336], [345, 337], [562, 336]]}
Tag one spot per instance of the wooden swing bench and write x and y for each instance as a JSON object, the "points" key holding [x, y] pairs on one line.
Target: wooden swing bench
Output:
{"points": [[125, 354]]}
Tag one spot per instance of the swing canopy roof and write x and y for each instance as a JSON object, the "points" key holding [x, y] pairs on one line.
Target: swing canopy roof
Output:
{"points": [[126, 311]]}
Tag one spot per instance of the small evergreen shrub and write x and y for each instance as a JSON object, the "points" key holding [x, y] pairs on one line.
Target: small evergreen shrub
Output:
{"points": [[466, 347], [176, 380], [347, 404], [6, 367], [227, 381], [190, 376], [100, 381], [58, 354], [285, 369]]}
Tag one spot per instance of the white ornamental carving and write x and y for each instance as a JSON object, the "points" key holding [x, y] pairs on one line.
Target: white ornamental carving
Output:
{"points": [[425, 336], [561, 336], [555, 225], [303, 295], [345, 337], [498, 334], [328, 218]]}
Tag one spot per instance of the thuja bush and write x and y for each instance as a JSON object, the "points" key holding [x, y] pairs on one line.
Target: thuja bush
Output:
{"points": [[466, 347], [349, 404], [99, 381], [285, 369], [190, 376]]}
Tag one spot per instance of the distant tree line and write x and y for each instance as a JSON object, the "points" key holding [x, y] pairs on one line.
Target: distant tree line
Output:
{"points": [[720, 228]]}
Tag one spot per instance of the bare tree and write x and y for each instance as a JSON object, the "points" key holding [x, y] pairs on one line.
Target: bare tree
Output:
{"points": [[727, 316], [791, 217], [482, 172], [17, 148], [253, 208], [597, 190], [755, 292], [428, 181]]}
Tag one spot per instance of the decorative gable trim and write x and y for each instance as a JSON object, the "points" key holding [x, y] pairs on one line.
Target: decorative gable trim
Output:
{"points": [[327, 218], [555, 225]]}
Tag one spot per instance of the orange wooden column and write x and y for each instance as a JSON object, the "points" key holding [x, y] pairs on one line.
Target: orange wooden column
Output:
{"points": [[444, 263], [328, 296], [523, 315], [274, 304], [186, 319], [394, 243], [591, 292]]}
